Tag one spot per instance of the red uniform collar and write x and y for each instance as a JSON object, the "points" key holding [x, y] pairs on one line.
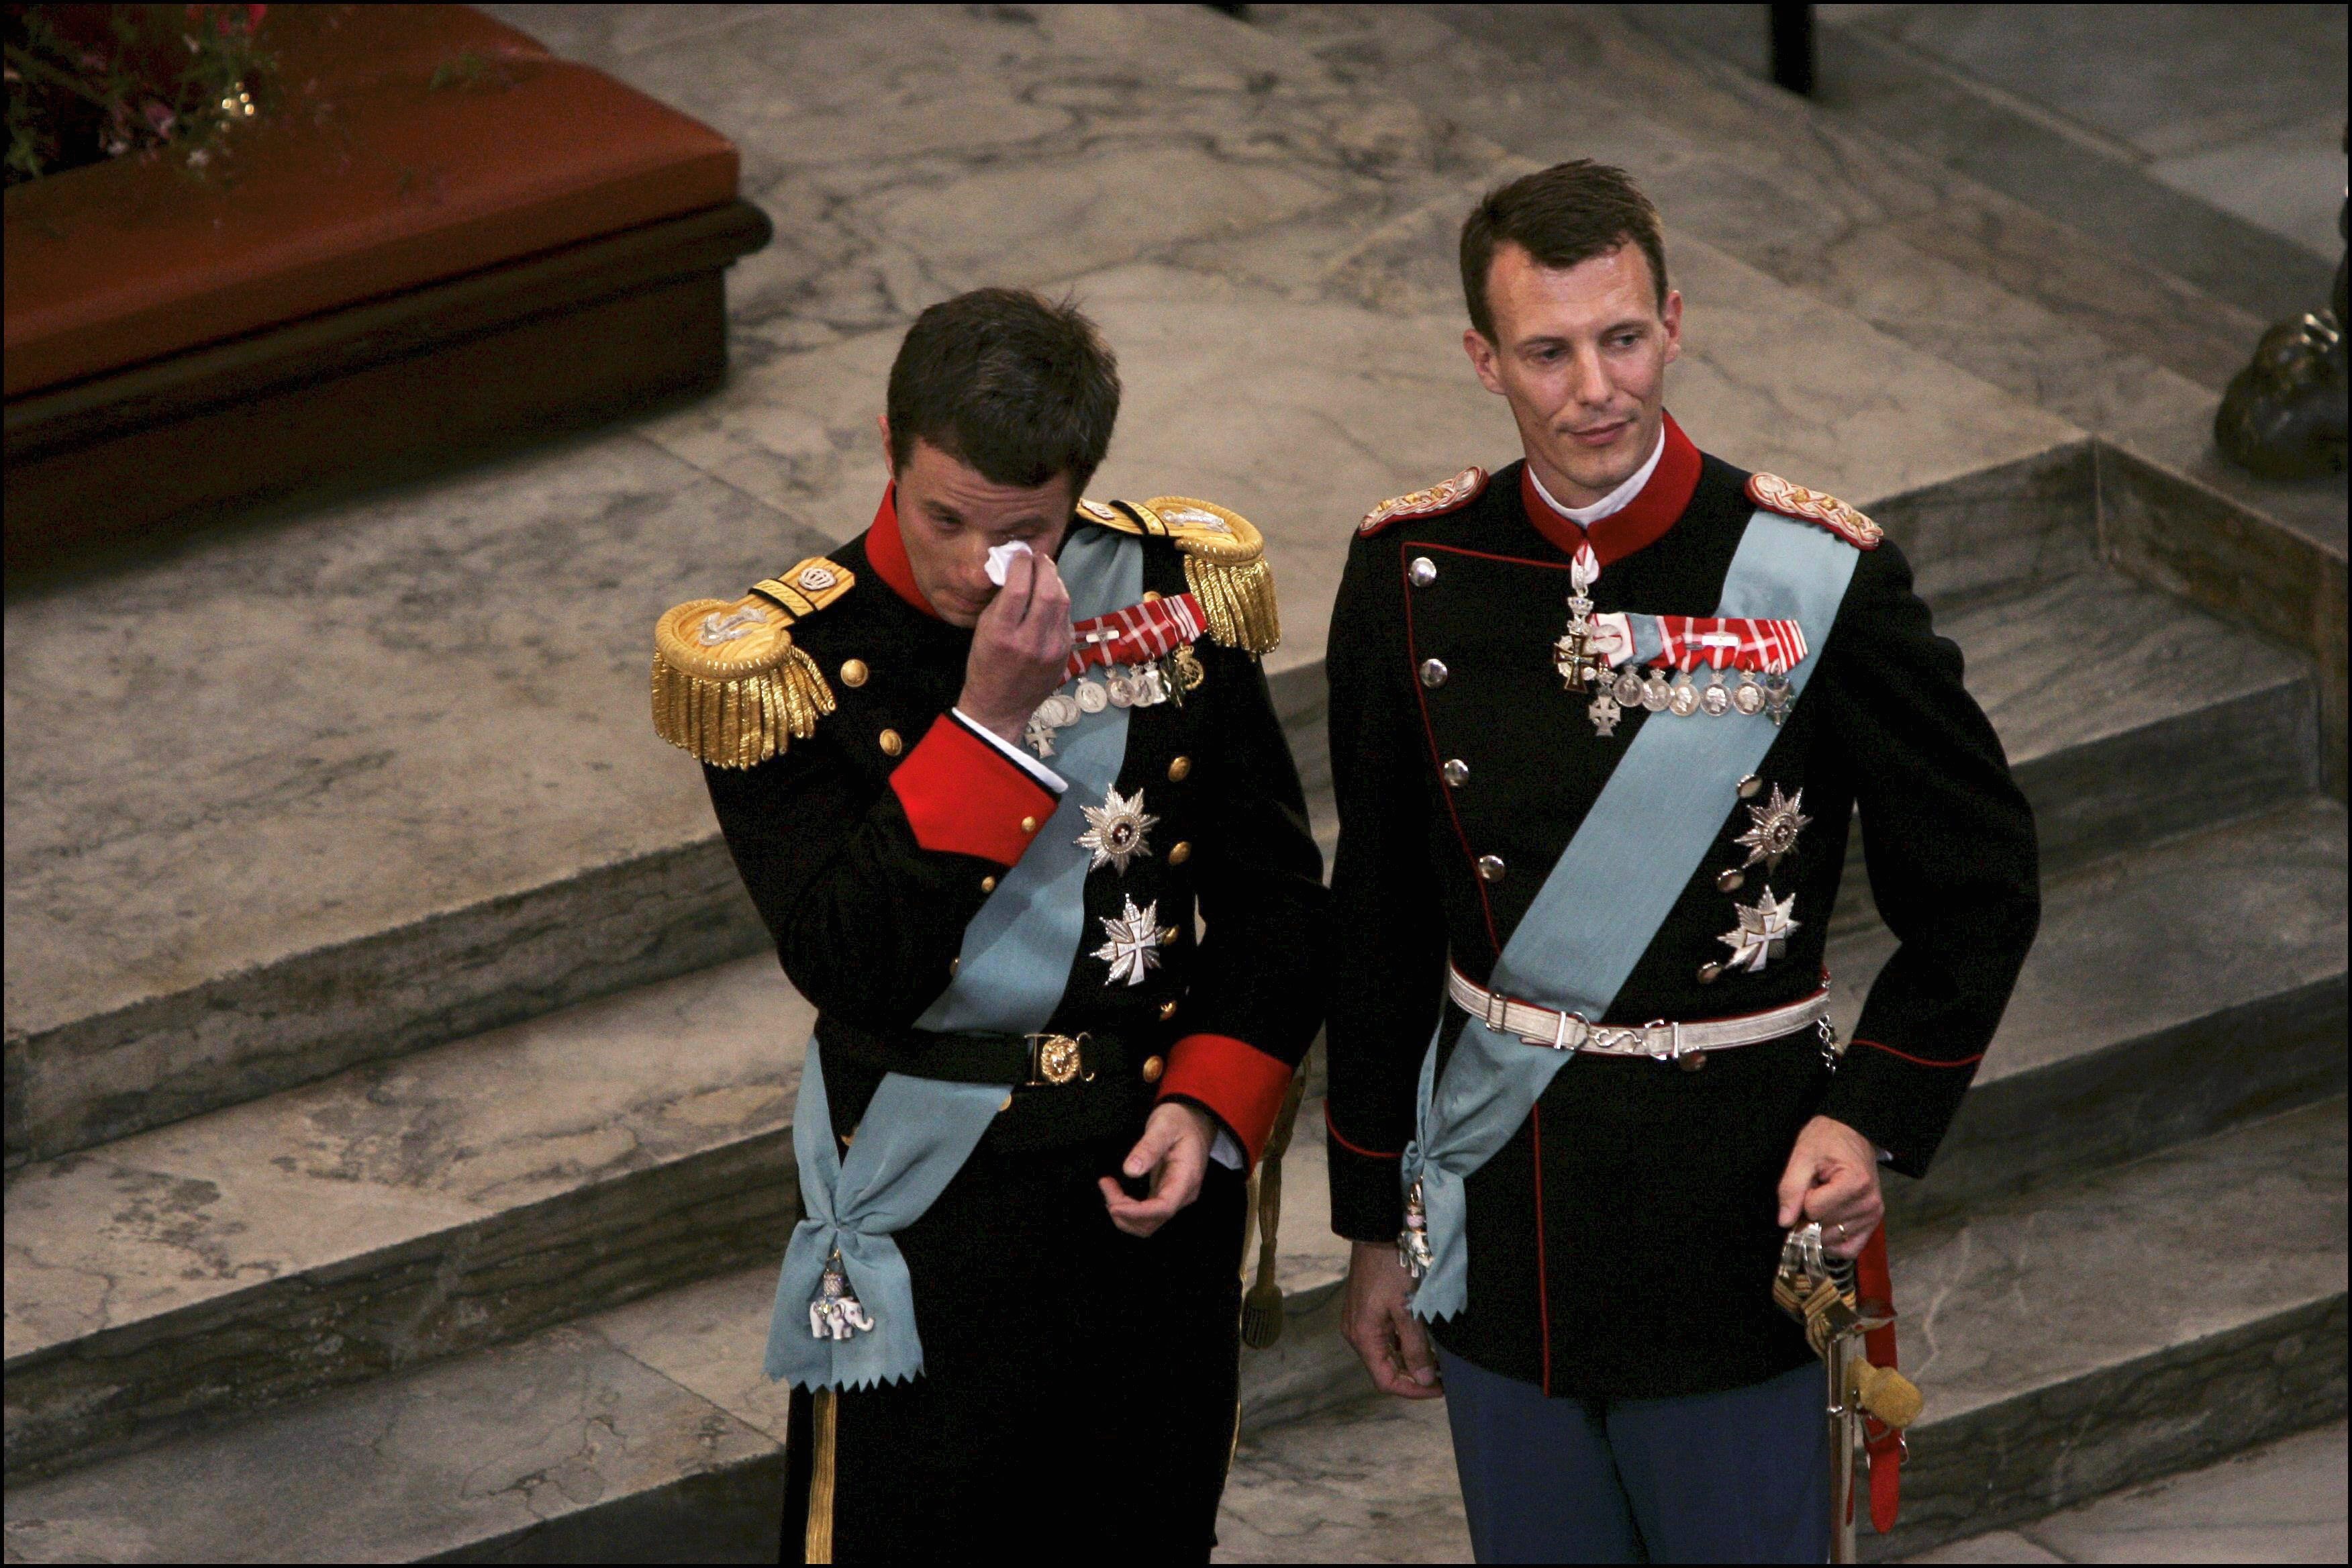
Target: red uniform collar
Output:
{"points": [[1641, 521], [887, 553]]}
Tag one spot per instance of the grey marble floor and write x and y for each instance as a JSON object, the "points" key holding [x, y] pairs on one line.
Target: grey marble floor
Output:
{"points": [[2240, 106], [2282, 1503], [1374, 1483]]}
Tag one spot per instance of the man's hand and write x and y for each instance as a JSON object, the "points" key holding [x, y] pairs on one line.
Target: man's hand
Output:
{"points": [[1832, 1177], [1376, 1320], [1174, 1150], [1019, 647]]}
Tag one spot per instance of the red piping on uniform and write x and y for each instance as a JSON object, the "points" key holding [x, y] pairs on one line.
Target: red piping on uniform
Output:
{"points": [[1543, 1294], [1489, 555], [1921, 1061], [1421, 695], [1342, 1139], [1640, 522], [887, 554]]}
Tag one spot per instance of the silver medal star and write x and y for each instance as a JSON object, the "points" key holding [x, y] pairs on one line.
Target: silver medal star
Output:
{"points": [[1116, 830], [1762, 933], [1134, 945], [1777, 824]]}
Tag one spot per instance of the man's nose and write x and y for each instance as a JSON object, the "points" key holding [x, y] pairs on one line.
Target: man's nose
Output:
{"points": [[1588, 378]]}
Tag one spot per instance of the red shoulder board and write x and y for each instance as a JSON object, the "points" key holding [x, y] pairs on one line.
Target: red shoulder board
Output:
{"points": [[1451, 494], [1774, 494]]}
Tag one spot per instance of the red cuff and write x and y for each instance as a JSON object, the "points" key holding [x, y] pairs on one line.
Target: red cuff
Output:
{"points": [[1241, 1083], [963, 796]]}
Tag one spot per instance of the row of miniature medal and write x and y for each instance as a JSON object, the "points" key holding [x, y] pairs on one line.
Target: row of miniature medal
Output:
{"points": [[1583, 666], [1147, 685]]}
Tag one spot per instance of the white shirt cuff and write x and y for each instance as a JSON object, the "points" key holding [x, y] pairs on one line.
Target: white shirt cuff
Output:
{"points": [[1226, 1151], [1031, 765]]}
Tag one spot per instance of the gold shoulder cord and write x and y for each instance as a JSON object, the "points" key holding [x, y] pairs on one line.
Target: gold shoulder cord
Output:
{"points": [[728, 684], [818, 1542], [1224, 563]]}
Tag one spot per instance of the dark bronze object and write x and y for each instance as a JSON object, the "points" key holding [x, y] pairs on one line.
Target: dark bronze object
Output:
{"points": [[2283, 417]]}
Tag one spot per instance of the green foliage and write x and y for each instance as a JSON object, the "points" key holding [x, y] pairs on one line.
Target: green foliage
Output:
{"points": [[87, 83]]}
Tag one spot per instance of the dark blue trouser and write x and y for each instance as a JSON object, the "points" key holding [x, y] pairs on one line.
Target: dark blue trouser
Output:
{"points": [[1738, 1477]]}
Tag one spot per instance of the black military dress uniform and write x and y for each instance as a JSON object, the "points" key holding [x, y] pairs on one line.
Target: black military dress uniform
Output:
{"points": [[1079, 1384], [1623, 1243]]}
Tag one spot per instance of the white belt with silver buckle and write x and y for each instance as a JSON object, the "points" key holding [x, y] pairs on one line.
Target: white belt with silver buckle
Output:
{"points": [[1657, 1038]]}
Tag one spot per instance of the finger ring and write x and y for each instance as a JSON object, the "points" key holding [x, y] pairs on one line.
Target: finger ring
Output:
{"points": [[1840, 1229]]}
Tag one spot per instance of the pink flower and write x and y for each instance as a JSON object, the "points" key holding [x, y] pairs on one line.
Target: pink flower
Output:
{"points": [[159, 116]]}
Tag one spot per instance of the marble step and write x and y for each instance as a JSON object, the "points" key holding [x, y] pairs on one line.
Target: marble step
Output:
{"points": [[409, 791], [2068, 1345], [2173, 991], [638, 1433], [1895, 75], [2155, 1319], [400, 1212], [2128, 716], [409, 1211]]}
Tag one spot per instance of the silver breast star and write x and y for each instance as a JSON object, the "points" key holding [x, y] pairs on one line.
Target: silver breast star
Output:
{"points": [[1777, 824], [1117, 829], [1134, 945], [1764, 928]]}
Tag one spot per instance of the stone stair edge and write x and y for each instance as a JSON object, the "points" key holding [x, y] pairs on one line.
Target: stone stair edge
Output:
{"points": [[680, 1369], [438, 1282], [2230, 1377], [2244, 266]]}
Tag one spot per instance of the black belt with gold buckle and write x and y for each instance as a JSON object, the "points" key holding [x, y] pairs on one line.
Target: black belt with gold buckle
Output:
{"points": [[1041, 1060], [1059, 1060]]}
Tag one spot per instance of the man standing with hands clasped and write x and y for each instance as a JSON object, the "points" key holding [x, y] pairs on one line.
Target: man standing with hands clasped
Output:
{"points": [[980, 769], [1599, 723]]}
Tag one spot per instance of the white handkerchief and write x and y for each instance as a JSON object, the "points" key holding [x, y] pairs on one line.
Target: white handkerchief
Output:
{"points": [[1000, 559]]}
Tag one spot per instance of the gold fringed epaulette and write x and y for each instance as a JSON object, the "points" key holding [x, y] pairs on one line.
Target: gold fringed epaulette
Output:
{"points": [[1224, 563], [729, 685]]}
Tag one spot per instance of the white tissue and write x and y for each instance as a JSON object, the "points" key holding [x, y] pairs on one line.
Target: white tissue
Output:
{"points": [[1000, 559]]}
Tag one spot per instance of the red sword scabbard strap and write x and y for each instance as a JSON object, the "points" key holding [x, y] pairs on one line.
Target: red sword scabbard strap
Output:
{"points": [[1875, 1292]]}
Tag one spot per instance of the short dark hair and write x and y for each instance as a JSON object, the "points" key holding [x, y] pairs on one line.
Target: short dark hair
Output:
{"points": [[1561, 216], [1006, 383]]}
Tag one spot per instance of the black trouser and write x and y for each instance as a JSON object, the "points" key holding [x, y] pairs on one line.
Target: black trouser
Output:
{"points": [[1078, 1387]]}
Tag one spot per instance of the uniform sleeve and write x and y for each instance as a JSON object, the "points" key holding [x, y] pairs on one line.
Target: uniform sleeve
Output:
{"points": [[1389, 950], [1256, 999], [868, 893], [1949, 840]]}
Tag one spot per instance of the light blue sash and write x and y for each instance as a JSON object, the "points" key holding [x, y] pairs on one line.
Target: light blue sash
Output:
{"points": [[918, 1132], [1609, 893]]}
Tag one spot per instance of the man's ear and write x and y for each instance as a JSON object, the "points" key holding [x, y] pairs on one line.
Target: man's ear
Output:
{"points": [[882, 422], [1482, 360]]}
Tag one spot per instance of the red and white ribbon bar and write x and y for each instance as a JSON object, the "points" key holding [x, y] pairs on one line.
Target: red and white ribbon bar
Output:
{"points": [[1722, 642], [1136, 635], [1687, 642]]}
